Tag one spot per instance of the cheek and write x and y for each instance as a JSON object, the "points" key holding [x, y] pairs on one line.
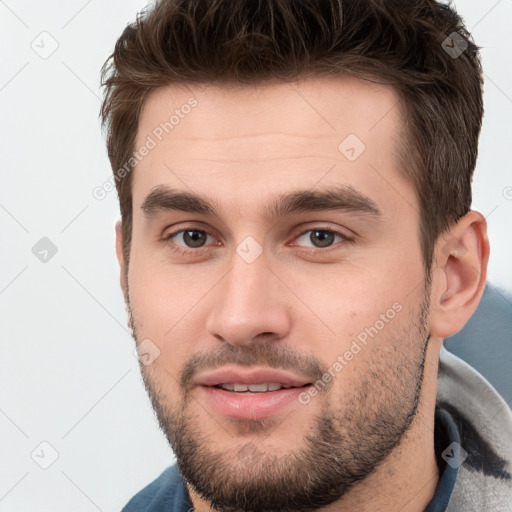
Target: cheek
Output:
{"points": [[168, 304], [346, 300], [163, 295]]}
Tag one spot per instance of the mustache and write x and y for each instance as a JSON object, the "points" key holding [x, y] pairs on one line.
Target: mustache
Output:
{"points": [[261, 354]]}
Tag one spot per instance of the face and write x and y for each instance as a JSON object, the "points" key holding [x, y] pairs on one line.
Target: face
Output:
{"points": [[276, 284]]}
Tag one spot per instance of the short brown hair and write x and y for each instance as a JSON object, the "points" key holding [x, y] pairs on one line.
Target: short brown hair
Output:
{"points": [[412, 45]]}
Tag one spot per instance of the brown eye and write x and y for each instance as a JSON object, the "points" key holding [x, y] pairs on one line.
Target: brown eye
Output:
{"points": [[324, 238], [188, 238], [194, 238]]}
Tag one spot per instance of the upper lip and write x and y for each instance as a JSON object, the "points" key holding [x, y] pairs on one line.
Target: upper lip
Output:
{"points": [[250, 376]]}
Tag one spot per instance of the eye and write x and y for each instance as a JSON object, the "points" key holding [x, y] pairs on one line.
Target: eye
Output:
{"points": [[189, 238], [320, 237]]}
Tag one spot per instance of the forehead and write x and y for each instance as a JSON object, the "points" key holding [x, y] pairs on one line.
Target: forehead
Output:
{"points": [[249, 141], [320, 107]]}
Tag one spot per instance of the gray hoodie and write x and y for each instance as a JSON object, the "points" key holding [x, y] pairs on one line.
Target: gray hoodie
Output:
{"points": [[484, 423]]}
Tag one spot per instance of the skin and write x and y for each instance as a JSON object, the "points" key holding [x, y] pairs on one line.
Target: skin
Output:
{"points": [[241, 148]]}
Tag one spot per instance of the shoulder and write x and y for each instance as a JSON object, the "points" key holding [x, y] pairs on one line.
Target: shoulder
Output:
{"points": [[165, 493]]}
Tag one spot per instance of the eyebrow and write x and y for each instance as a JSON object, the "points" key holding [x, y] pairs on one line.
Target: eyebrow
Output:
{"points": [[343, 198]]}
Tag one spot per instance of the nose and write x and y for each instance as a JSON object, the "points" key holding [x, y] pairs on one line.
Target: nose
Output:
{"points": [[250, 304]]}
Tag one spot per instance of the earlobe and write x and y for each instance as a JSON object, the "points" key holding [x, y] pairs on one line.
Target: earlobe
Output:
{"points": [[462, 255]]}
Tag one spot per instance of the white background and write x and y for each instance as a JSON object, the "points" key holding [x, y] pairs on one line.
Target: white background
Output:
{"points": [[68, 375]]}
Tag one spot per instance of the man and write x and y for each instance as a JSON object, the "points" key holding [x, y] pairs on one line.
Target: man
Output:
{"points": [[296, 242]]}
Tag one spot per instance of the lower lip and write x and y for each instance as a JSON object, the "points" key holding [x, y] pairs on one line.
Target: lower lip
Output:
{"points": [[254, 406]]}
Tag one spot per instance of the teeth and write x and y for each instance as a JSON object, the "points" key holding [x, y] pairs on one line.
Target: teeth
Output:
{"points": [[258, 388], [254, 388]]}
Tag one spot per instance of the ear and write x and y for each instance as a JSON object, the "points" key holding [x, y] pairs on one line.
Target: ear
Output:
{"points": [[461, 257], [120, 256]]}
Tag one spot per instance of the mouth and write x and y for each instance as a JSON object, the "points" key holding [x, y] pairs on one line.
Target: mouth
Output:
{"points": [[254, 388], [254, 393], [238, 401]]}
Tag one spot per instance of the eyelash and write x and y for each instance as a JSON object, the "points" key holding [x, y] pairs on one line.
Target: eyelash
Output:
{"points": [[183, 251]]}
